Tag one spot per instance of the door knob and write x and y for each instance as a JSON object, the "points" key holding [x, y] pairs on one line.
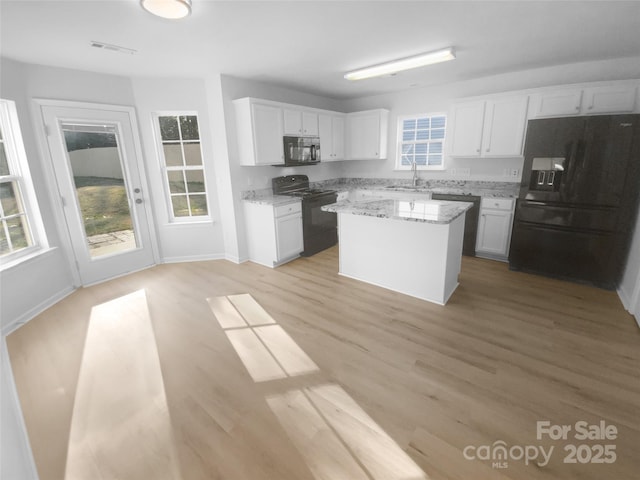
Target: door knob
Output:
{"points": [[136, 190], [138, 201]]}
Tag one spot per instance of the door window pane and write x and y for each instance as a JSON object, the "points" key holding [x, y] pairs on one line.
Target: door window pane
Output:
{"points": [[169, 128], [101, 189]]}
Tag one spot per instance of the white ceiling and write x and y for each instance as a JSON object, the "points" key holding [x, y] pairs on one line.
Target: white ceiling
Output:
{"points": [[309, 45]]}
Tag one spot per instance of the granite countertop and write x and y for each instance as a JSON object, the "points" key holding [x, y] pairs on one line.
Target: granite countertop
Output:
{"points": [[427, 211], [453, 187], [265, 197]]}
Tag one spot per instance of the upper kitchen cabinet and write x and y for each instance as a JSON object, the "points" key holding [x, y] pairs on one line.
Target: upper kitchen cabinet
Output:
{"points": [[584, 101], [366, 134], [331, 128], [300, 123], [259, 130], [488, 128]]}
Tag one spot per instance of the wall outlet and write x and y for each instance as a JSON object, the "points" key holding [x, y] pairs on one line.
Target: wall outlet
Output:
{"points": [[515, 173]]}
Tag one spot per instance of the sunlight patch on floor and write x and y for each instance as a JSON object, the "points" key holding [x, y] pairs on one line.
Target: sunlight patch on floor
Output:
{"points": [[336, 438], [120, 404]]}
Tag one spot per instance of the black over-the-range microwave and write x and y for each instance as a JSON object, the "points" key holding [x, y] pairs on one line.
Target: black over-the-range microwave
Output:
{"points": [[301, 151]]}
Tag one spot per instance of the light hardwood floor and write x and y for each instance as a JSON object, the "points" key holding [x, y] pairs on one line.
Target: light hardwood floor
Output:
{"points": [[137, 378]]}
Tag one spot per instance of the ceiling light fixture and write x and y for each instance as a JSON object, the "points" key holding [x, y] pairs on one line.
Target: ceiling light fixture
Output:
{"points": [[172, 9], [402, 64]]}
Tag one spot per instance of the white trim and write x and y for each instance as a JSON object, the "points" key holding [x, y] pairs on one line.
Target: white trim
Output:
{"points": [[37, 310], [9, 387], [195, 258]]}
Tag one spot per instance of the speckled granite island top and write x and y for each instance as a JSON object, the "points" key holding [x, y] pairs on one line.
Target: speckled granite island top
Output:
{"points": [[428, 211]]}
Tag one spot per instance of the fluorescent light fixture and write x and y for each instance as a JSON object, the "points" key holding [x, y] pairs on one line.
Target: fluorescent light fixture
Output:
{"points": [[172, 9], [402, 64]]}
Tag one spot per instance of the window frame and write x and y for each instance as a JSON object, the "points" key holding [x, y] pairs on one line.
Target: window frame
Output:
{"points": [[165, 169], [20, 175], [400, 143]]}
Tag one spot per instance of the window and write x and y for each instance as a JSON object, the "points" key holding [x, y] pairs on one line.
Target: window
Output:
{"points": [[184, 171], [421, 140], [19, 217]]}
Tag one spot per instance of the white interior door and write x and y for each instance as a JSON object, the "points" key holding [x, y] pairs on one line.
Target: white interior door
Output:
{"points": [[99, 174]]}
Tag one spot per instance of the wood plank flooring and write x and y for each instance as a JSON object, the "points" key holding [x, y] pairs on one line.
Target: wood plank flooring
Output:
{"points": [[137, 378]]}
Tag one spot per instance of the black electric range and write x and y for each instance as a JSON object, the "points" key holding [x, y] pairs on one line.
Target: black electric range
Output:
{"points": [[320, 230]]}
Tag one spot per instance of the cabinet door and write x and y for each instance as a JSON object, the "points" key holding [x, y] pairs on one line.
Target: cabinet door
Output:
{"points": [[267, 134], [337, 129], [504, 124], [288, 236], [309, 123], [494, 228], [609, 99], [364, 136], [299, 122], [557, 104], [468, 120], [325, 127], [292, 122]]}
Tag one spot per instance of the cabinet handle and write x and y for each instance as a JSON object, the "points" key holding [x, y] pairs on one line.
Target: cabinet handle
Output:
{"points": [[488, 150], [477, 150], [590, 107]]}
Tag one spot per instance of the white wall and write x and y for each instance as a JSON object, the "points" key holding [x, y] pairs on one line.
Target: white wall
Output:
{"points": [[30, 286], [179, 241]]}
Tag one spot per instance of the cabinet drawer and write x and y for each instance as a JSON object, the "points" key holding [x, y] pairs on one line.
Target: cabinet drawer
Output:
{"points": [[287, 209], [497, 203]]}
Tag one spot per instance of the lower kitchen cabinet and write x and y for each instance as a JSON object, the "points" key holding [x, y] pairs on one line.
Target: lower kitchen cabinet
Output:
{"points": [[494, 228], [274, 233]]}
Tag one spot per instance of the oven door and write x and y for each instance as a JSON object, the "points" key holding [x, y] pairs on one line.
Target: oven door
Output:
{"points": [[320, 229]]}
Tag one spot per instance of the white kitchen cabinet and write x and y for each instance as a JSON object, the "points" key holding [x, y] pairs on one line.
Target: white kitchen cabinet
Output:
{"points": [[489, 128], [558, 103], [366, 134], [300, 122], [619, 99], [259, 132], [467, 121], [584, 101], [494, 228], [274, 233], [331, 132]]}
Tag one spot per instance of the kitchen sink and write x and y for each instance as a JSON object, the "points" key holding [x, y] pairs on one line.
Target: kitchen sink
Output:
{"points": [[404, 187]]}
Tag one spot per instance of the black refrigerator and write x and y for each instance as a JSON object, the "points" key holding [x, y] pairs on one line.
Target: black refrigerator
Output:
{"points": [[578, 199]]}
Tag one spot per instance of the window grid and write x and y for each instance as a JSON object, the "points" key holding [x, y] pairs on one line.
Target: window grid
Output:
{"points": [[421, 140], [184, 169], [15, 230]]}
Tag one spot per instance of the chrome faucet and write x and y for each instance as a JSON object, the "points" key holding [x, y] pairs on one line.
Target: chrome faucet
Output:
{"points": [[414, 169]]}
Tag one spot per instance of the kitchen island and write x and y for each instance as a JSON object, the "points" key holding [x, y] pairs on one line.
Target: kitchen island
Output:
{"points": [[411, 246]]}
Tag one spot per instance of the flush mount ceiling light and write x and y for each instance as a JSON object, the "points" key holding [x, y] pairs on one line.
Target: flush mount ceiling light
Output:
{"points": [[402, 64], [172, 9]]}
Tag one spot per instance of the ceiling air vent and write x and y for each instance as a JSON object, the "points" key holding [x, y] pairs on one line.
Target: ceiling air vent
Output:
{"points": [[114, 48]]}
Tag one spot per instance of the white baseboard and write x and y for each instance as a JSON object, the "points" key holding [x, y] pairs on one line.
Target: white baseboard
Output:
{"points": [[38, 309], [194, 258]]}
